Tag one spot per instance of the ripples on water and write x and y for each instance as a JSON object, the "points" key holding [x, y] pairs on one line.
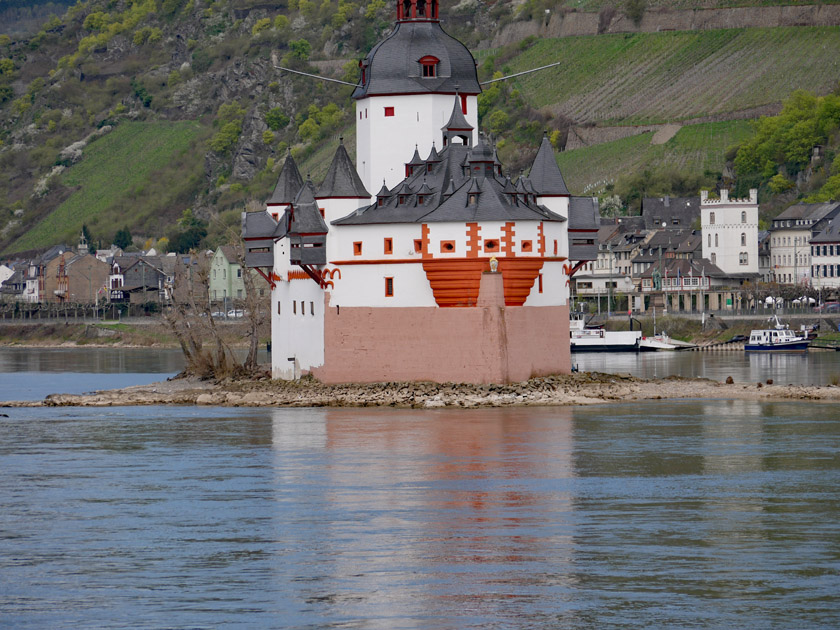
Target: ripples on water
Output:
{"points": [[714, 514]]}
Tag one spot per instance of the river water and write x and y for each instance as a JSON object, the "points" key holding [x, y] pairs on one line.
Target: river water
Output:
{"points": [[712, 514]]}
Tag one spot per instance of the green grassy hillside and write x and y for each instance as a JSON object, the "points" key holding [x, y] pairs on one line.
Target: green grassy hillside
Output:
{"points": [[657, 77], [125, 178], [694, 149]]}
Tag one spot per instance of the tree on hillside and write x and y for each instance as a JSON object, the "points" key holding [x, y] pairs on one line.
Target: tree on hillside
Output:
{"points": [[188, 234], [785, 142], [122, 238]]}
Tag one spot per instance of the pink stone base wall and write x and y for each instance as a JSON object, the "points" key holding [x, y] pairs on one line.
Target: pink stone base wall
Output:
{"points": [[483, 344]]}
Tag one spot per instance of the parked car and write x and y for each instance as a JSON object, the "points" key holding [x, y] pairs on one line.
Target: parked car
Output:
{"points": [[236, 313], [217, 314], [828, 307]]}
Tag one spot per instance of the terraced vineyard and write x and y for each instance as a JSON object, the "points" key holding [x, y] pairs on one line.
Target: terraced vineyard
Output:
{"points": [[113, 177], [694, 148], [657, 77]]}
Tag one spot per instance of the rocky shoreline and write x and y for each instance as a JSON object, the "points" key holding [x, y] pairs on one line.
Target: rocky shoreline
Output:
{"points": [[574, 389]]}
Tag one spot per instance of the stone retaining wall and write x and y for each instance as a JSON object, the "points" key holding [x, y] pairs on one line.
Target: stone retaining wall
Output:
{"points": [[655, 20]]}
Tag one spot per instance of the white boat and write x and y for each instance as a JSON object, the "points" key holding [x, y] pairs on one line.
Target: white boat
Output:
{"points": [[585, 339], [777, 339], [659, 341]]}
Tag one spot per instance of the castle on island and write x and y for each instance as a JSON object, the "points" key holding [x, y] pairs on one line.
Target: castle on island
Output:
{"points": [[423, 261]]}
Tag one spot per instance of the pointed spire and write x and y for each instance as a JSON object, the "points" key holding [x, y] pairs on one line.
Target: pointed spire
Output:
{"points": [[342, 180], [545, 174], [433, 155], [416, 160], [383, 192], [457, 121], [288, 184]]}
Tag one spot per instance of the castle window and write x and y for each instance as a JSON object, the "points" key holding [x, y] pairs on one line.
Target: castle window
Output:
{"points": [[743, 240], [473, 199], [389, 287], [491, 245], [389, 246], [743, 217], [716, 240], [539, 281], [357, 248], [389, 111], [527, 246], [418, 245], [419, 200], [278, 308], [447, 247], [428, 66], [714, 258], [312, 308], [711, 218]]}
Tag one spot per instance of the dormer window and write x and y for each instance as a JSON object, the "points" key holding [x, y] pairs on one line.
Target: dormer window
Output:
{"points": [[428, 66]]}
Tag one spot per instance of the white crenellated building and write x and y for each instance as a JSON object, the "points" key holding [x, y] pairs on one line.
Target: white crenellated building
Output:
{"points": [[730, 232], [450, 271]]}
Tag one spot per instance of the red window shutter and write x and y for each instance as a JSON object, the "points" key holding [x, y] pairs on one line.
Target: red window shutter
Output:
{"points": [[389, 111]]}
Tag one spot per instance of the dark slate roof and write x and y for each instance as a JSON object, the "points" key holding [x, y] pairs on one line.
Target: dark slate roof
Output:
{"points": [[288, 184], [831, 234], [305, 216], [696, 267], [545, 175], [392, 65], [676, 212], [583, 213], [811, 212], [457, 121], [342, 180], [261, 225], [446, 192]]}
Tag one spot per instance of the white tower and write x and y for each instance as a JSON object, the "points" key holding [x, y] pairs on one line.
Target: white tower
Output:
{"points": [[406, 91], [730, 232]]}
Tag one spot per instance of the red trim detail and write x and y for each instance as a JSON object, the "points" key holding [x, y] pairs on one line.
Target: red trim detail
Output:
{"points": [[464, 104], [389, 111], [508, 232], [414, 261], [541, 236], [424, 234], [266, 277], [473, 243], [519, 275]]}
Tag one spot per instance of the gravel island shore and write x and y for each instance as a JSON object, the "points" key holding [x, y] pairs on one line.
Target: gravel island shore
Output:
{"points": [[573, 389]]}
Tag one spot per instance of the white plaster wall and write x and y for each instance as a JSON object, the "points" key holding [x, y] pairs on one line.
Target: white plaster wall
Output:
{"points": [[457, 232], [373, 238], [826, 281], [555, 287], [364, 285], [558, 205], [385, 144], [295, 331], [785, 247], [728, 228], [554, 231]]}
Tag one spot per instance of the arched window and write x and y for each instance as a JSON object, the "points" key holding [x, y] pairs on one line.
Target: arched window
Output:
{"points": [[428, 66], [711, 218], [743, 216], [716, 240], [710, 240], [714, 259], [743, 240]]}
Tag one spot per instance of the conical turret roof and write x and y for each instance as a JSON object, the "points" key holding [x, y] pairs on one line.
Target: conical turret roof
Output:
{"points": [[545, 175], [288, 184], [342, 180], [457, 121]]}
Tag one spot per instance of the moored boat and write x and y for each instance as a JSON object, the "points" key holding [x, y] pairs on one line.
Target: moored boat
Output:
{"points": [[584, 339], [777, 339]]}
